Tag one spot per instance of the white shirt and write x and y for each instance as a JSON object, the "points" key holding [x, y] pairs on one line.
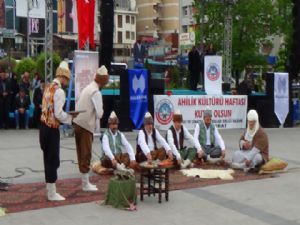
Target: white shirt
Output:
{"points": [[219, 140], [59, 101], [147, 148], [170, 139], [125, 143], [97, 102]]}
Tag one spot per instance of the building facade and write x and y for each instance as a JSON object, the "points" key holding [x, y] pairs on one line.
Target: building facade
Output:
{"points": [[124, 29]]}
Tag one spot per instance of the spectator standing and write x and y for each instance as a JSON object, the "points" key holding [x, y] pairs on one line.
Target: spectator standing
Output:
{"points": [[194, 67], [14, 90], [37, 101], [139, 52], [25, 83], [4, 100]]}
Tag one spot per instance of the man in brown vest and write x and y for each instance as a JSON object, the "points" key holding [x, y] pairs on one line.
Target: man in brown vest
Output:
{"points": [[85, 123], [176, 136], [147, 143], [51, 117]]}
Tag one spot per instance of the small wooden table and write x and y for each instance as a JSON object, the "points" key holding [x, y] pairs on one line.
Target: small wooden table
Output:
{"points": [[154, 180]]}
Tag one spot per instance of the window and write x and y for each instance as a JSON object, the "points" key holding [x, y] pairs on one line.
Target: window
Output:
{"points": [[120, 38], [185, 11], [132, 20], [184, 29], [127, 19], [120, 21], [127, 35], [132, 35]]}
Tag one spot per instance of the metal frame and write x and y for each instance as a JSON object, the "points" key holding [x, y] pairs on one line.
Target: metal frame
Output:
{"points": [[228, 43], [49, 41]]}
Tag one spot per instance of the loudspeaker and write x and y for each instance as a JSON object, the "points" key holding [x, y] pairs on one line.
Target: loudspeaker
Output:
{"points": [[106, 37], [270, 85]]}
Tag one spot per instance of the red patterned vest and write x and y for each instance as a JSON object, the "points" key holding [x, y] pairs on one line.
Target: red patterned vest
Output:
{"points": [[47, 116]]}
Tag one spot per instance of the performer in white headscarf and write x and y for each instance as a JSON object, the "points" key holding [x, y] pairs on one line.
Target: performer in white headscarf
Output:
{"points": [[254, 145]]}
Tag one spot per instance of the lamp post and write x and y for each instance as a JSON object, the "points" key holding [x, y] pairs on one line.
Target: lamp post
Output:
{"points": [[28, 26]]}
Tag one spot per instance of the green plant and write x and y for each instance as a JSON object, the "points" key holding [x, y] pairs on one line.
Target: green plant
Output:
{"points": [[26, 64], [40, 63], [5, 62]]}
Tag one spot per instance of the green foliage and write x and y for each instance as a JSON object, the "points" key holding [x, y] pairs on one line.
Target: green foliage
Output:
{"points": [[4, 63], [40, 63], [26, 64], [281, 61], [254, 21]]}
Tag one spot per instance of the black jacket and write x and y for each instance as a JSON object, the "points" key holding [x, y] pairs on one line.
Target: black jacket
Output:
{"points": [[22, 104]]}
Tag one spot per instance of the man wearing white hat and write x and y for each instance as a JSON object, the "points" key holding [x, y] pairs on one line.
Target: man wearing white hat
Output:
{"points": [[112, 142], [254, 145], [51, 116], [176, 136], [90, 101], [147, 143], [207, 138]]}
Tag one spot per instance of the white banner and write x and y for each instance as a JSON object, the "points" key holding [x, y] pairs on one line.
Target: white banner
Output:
{"points": [[281, 96], [37, 8], [213, 75], [86, 65], [229, 111]]}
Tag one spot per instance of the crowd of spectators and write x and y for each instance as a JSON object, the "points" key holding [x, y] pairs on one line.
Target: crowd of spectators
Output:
{"points": [[20, 101]]}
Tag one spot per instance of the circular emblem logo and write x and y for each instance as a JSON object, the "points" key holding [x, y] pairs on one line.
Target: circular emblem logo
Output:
{"points": [[213, 71], [164, 111]]}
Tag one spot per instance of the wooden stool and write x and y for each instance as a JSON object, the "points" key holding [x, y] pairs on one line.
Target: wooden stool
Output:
{"points": [[154, 180]]}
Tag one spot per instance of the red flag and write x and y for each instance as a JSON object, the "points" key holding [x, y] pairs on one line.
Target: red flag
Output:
{"points": [[85, 17]]}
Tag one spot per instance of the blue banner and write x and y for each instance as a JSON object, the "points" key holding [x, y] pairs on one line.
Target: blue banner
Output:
{"points": [[138, 95]]}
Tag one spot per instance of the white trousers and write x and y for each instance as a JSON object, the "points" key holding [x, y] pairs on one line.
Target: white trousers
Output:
{"points": [[252, 155]]}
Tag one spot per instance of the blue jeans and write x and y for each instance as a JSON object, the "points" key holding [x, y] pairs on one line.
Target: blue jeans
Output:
{"points": [[25, 115]]}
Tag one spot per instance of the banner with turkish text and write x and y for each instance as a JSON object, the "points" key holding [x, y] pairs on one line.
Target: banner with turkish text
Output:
{"points": [[281, 96], [138, 95], [228, 111]]}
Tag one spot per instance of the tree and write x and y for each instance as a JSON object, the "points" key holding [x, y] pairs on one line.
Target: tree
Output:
{"points": [[40, 63], [25, 65], [254, 22]]}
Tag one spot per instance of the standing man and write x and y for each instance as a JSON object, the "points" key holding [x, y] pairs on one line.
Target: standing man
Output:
{"points": [[4, 100], [208, 139], [139, 52], [37, 101], [112, 142], [52, 115], [194, 67], [147, 139], [85, 124], [176, 136]]}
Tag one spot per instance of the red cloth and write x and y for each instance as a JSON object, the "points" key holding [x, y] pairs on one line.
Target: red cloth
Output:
{"points": [[85, 17]]}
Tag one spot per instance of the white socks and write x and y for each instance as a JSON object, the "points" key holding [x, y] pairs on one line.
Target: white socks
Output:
{"points": [[51, 194], [86, 185], [185, 164]]}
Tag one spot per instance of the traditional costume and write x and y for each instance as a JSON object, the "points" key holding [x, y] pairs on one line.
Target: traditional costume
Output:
{"points": [[147, 143], [259, 150], [176, 138], [208, 138], [51, 117], [85, 123], [112, 143]]}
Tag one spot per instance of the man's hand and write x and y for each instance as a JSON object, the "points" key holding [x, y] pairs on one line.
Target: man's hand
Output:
{"points": [[170, 155], [179, 161], [133, 164], [223, 154], [21, 110], [247, 162], [149, 158], [246, 145], [114, 162], [200, 153]]}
